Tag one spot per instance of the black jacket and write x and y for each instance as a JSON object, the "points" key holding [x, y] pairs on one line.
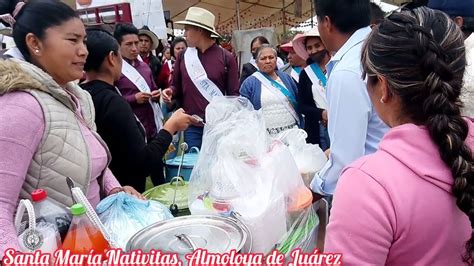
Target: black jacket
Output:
{"points": [[7, 7], [155, 66], [132, 159], [247, 70], [307, 106]]}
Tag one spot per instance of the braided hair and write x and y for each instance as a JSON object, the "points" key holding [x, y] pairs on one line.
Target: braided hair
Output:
{"points": [[422, 56]]}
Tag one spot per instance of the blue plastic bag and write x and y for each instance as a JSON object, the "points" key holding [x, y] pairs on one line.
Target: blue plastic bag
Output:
{"points": [[124, 215]]}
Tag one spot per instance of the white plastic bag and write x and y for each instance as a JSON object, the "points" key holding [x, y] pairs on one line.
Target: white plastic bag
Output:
{"points": [[38, 236], [123, 215], [240, 169], [308, 157]]}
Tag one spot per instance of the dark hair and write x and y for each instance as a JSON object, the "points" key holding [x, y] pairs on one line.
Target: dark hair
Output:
{"points": [[424, 67], [36, 17], [347, 15], [124, 29], [175, 42], [99, 43], [305, 41], [7, 6], [260, 39], [376, 13]]}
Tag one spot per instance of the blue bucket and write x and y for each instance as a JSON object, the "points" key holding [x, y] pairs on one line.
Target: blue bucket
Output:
{"points": [[172, 165]]}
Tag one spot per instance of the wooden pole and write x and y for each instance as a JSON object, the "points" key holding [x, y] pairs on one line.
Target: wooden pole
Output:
{"points": [[283, 18], [237, 6]]}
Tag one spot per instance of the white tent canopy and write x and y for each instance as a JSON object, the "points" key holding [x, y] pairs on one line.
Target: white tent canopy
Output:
{"points": [[248, 14]]}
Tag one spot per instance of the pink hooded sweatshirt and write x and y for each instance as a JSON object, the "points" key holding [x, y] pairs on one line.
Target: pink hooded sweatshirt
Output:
{"points": [[395, 207]]}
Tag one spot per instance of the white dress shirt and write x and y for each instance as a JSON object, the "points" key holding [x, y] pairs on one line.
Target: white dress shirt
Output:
{"points": [[354, 127]]}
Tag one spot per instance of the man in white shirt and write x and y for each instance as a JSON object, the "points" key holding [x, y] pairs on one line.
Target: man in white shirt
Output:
{"points": [[354, 127]]}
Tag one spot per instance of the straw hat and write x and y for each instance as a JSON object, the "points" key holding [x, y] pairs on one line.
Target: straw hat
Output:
{"points": [[154, 39], [298, 44], [201, 18]]}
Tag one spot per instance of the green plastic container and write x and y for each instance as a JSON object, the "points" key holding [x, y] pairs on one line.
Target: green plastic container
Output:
{"points": [[165, 193]]}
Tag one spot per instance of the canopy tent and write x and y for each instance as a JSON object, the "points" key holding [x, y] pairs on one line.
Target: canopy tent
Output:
{"points": [[232, 15], [248, 14]]}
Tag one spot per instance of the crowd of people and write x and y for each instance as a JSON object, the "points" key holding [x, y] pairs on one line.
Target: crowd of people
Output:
{"points": [[387, 97]]}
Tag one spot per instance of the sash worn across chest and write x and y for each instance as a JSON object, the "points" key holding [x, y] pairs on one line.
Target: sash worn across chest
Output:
{"points": [[295, 73], [319, 81], [137, 79], [198, 75], [287, 97]]}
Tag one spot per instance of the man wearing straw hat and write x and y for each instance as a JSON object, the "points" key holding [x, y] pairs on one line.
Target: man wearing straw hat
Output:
{"points": [[148, 43], [312, 87], [203, 71]]}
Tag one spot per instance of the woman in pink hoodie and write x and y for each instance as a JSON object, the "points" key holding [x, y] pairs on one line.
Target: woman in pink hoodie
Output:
{"points": [[411, 202]]}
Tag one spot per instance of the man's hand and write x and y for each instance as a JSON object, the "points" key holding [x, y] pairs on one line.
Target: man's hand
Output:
{"points": [[327, 152], [167, 95], [324, 115], [155, 95], [142, 97]]}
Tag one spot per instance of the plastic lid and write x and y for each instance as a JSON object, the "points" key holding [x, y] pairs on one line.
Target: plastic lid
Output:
{"points": [[78, 209], [39, 194]]}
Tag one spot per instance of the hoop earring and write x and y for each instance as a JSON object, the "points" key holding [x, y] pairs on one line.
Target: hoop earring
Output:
{"points": [[382, 100]]}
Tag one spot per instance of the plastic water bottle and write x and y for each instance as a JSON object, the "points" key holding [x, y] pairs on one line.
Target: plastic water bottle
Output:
{"points": [[48, 211], [83, 236]]}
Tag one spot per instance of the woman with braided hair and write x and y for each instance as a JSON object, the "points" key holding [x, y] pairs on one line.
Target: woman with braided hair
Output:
{"points": [[411, 202]]}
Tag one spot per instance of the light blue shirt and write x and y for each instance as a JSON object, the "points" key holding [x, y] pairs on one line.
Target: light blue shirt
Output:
{"points": [[354, 127]]}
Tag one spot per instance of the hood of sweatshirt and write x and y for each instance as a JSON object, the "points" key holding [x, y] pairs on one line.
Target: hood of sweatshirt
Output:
{"points": [[410, 141]]}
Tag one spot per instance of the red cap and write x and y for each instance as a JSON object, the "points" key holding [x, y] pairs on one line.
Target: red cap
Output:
{"points": [[39, 194], [287, 47]]}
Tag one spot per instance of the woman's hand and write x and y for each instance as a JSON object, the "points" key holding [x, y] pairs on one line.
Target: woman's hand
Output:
{"points": [[8, 19], [129, 190], [179, 121]]}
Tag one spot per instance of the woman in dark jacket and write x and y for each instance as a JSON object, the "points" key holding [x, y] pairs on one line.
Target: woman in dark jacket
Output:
{"points": [[132, 158]]}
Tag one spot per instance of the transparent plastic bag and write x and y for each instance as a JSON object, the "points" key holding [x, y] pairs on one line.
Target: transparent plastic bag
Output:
{"points": [[38, 236], [124, 215], [232, 125], [308, 157], [303, 233], [240, 169]]}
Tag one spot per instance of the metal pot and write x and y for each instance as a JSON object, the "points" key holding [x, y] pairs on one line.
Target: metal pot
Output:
{"points": [[183, 235]]}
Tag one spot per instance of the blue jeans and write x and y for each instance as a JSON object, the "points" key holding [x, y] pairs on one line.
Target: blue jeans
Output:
{"points": [[324, 142], [193, 137]]}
